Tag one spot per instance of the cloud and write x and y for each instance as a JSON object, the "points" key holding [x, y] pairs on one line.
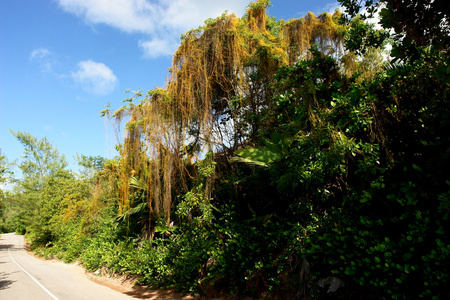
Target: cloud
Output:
{"points": [[187, 14], [331, 7], [40, 53], [126, 15], [327, 7], [95, 77], [158, 47], [45, 59], [160, 21]]}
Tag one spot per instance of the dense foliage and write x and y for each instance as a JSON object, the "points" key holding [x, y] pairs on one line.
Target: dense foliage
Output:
{"points": [[287, 159]]}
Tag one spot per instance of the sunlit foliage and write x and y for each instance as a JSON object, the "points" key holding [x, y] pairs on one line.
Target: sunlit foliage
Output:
{"points": [[220, 79]]}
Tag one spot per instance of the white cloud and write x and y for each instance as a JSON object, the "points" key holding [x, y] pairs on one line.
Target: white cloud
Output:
{"points": [[158, 47], [187, 14], [328, 7], [331, 7], [45, 58], [161, 21], [40, 53], [127, 15], [94, 77]]}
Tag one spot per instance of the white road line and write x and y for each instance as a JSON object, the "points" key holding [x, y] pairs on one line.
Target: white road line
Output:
{"points": [[35, 280]]}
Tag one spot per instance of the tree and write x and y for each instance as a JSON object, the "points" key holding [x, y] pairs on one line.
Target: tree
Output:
{"points": [[413, 24], [5, 170], [90, 164], [40, 160], [39, 163], [64, 201], [218, 87]]}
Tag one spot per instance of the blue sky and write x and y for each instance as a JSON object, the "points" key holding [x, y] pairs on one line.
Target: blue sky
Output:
{"points": [[61, 61]]}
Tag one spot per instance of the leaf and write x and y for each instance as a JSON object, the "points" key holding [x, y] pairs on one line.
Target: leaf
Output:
{"points": [[162, 228], [256, 156], [104, 113], [135, 210], [138, 184], [138, 209], [247, 161]]}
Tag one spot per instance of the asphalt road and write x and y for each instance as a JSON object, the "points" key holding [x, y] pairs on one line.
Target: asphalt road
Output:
{"points": [[23, 277]]}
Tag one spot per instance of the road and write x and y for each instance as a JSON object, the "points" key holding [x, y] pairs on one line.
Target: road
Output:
{"points": [[23, 277]]}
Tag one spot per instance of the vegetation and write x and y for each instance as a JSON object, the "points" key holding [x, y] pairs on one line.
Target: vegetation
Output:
{"points": [[287, 159]]}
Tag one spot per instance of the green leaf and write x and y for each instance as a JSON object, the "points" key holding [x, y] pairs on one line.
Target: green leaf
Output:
{"points": [[138, 184], [161, 228], [256, 156]]}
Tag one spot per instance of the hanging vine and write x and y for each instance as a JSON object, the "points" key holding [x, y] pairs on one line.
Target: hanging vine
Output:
{"points": [[219, 81]]}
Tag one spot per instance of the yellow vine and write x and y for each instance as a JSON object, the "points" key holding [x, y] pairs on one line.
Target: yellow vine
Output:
{"points": [[213, 71]]}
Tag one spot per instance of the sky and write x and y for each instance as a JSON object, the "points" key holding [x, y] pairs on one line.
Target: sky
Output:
{"points": [[62, 61]]}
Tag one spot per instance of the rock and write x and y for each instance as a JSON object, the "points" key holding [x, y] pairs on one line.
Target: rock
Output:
{"points": [[333, 283]]}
